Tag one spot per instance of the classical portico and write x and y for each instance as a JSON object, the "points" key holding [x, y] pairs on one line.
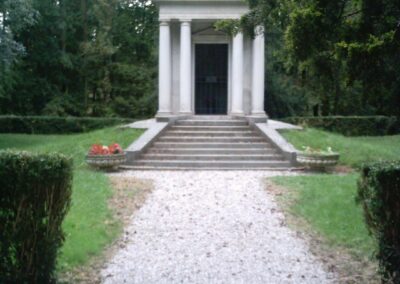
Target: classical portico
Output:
{"points": [[206, 72]]}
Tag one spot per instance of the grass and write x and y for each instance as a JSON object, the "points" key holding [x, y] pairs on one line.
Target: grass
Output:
{"points": [[327, 203], [89, 225], [353, 150]]}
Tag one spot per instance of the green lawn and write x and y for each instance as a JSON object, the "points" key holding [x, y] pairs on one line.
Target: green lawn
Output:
{"points": [[353, 150], [327, 202], [89, 225]]}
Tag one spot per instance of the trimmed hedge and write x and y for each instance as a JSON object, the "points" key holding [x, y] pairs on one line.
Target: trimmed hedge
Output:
{"points": [[35, 195], [379, 194], [55, 124], [351, 125]]}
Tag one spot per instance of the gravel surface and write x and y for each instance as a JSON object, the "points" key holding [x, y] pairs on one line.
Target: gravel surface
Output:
{"points": [[211, 227]]}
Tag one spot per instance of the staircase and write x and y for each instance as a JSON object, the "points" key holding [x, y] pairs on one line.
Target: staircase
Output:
{"points": [[211, 142]]}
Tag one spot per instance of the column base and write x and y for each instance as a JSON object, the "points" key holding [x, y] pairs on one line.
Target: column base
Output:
{"points": [[257, 117], [258, 113], [237, 113], [185, 113], [164, 116]]}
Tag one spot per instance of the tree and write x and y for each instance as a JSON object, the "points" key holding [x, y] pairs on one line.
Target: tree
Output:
{"points": [[15, 15], [82, 57], [343, 54], [373, 55], [134, 68]]}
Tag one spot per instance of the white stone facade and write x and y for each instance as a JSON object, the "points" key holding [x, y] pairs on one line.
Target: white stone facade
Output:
{"points": [[184, 24]]}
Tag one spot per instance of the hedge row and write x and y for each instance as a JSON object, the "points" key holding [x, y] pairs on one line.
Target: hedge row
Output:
{"points": [[54, 124], [351, 125], [379, 194], [35, 195]]}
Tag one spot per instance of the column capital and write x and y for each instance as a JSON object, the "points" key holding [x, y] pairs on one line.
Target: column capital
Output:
{"points": [[164, 22], [239, 33], [185, 21], [259, 30]]}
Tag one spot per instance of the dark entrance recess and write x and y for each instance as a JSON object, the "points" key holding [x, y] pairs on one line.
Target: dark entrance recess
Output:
{"points": [[211, 78]]}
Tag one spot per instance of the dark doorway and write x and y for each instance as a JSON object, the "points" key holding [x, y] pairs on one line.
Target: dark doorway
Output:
{"points": [[211, 78]]}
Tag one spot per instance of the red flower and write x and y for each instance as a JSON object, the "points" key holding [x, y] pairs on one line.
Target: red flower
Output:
{"points": [[98, 149], [115, 149]]}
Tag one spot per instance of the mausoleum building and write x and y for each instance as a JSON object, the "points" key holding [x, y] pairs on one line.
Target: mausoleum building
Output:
{"points": [[207, 72]]}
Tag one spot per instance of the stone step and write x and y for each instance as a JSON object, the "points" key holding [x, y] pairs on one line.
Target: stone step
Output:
{"points": [[209, 168], [212, 157], [210, 133], [211, 143], [204, 122], [215, 151], [248, 139], [215, 145], [211, 164], [210, 128], [215, 117]]}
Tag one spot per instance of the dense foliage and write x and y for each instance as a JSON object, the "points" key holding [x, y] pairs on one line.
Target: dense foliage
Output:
{"points": [[330, 57], [77, 57], [379, 193], [98, 57], [35, 197], [54, 124], [351, 125]]}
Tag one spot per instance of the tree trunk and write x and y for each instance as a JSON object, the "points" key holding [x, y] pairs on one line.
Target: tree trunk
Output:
{"points": [[325, 108], [63, 38], [64, 26], [337, 95], [84, 40]]}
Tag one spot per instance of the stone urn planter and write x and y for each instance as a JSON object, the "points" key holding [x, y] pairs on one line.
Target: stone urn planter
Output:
{"points": [[318, 160], [106, 161], [105, 157]]}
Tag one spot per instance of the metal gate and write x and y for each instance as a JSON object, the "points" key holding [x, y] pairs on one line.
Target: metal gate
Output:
{"points": [[211, 78]]}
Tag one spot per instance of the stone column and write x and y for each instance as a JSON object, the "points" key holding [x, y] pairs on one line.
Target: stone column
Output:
{"points": [[237, 75], [185, 69], [164, 70], [257, 98]]}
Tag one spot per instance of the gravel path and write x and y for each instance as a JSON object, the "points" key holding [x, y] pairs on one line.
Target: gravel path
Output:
{"points": [[211, 227]]}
